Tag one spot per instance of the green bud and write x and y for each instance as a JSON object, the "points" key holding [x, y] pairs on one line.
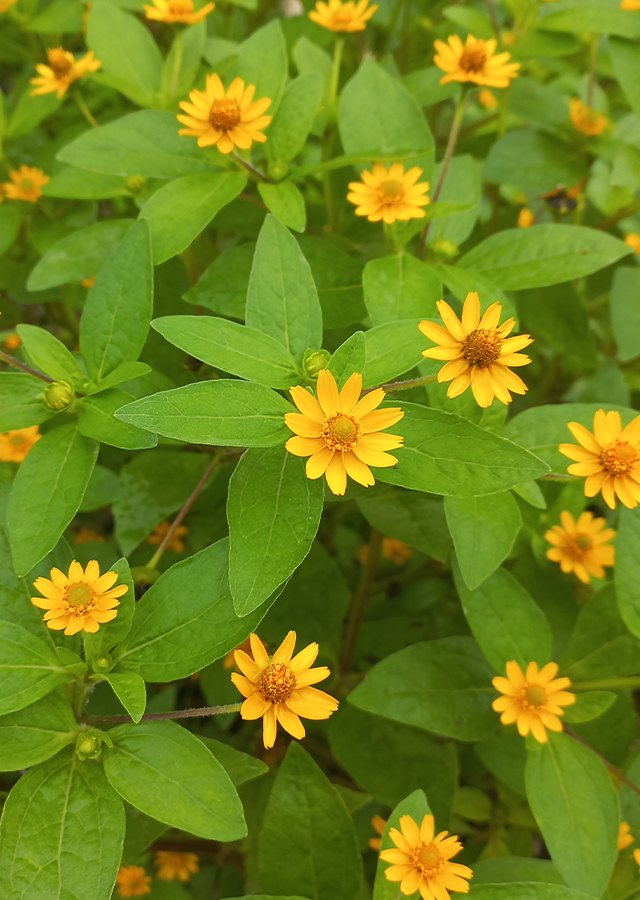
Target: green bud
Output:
{"points": [[102, 663], [135, 183], [58, 395], [88, 745], [315, 360], [445, 248], [278, 169]]}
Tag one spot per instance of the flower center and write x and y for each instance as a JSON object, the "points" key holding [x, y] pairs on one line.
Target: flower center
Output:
{"points": [[535, 695], [59, 63], [482, 347], [340, 432], [79, 595], [26, 184], [428, 859], [224, 114], [277, 683], [391, 188], [620, 458], [473, 59]]}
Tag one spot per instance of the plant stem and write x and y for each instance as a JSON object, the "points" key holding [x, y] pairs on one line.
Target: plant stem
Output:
{"points": [[623, 213], [593, 61], [492, 15], [5, 357], [247, 165], [613, 769], [177, 63], [557, 476], [360, 600], [630, 682], [176, 714], [335, 76], [394, 386], [84, 109]]}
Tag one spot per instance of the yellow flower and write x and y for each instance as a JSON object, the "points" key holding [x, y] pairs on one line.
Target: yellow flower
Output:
{"points": [[63, 69], [133, 881], [634, 6], [579, 546], [80, 601], [340, 433], [176, 865], [625, 838], [393, 549], [478, 352], [487, 99], [338, 16], [533, 700], [228, 119], [389, 194], [278, 688], [475, 61], [177, 11], [12, 341], [89, 282], [160, 532], [508, 38], [379, 826], [25, 184], [526, 218], [633, 240], [5, 4], [586, 120], [609, 458], [85, 535], [422, 861], [14, 445]]}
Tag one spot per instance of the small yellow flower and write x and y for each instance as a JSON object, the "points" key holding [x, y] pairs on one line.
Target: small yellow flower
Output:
{"points": [[89, 282], [533, 700], [379, 826], [338, 16], [278, 688], [160, 532], [14, 445], [340, 433], [171, 11], [12, 341], [25, 184], [227, 119], [475, 61], [586, 120], [133, 881], [526, 218], [579, 546], [636, 856], [609, 458], [389, 194], [487, 99], [422, 860], [393, 549], [80, 601], [625, 838], [176, 865], [63, 69], [632, 5], [87, 535], [5, 4], [478, 352], [633, 240]]}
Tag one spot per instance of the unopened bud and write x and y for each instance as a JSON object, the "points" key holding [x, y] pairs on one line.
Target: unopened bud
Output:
{"points": [[278, 169], [135, 183], [102, 663], [88, 745], [58, 395], [445, 248], [315, 360]]}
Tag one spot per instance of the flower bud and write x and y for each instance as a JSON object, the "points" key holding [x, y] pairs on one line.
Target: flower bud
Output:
{"points": [[88, 745], [135, 183], [278, 169], [315, 360], [102, 663], [58, 395], [444, 247]]}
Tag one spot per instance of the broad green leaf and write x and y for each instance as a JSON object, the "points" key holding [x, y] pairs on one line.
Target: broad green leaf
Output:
{"points": [[36, 733], [240, 767], [463, 184], [9, 226], [400, 287], [306, 814], [101, 489], [308, 57], [424, 85], [391, 350], [15, 605], [130, 690], [624, 59], [625, 315], [416, 806], [286, 203], [116, 316], [223, 285], [528, 890], [96, 420], [124, 372], [47, 492], [589, 706], [471, 19], [61, 833], [58, 16], [165, 771], [600, 16], [180, 210], [111, 633], [30, 668], [575, 804], [521, 258], [504, 754], [74, 183], [183, 61], [50, 355], [293, 120], [484, 530], [282, 300], [338, 278], [443, 686], [531, 160], [231, 348], [21, 401], [274, 512], [262, 60], [225, 413], [460, 281], [507, 868], [348, 358], [409, 516], [627, 570], [30, 111]]}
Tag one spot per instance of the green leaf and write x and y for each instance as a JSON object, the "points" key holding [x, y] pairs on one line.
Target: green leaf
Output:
{"points": [[9, 226], [462, 186], [180, 210], [625, 317], [21, 401], [36, 733], [409, 516], [348, 358], [274, 512], [521, 258], [575, 804], [531, 160], [101, 489], [96, 420], [262, 60], [471, 20], [338, 278], [528, 890], [182, 62], [231, 348], [286, 203], [61, 832], [47, 492], [165, 771], [223, 285], [460, 281], [111, 633], [30, 111], [416, 806], [484, 530], [627, 569], [30, 668], [58, 16], [130, 690], [306, 814], [282, 300], [294, 118], [81, 184], [624, 59], [50, 355], [443, 686], [118, 310], [589, 706], [391, 350], [240, 767], [400, 287], [124, 372], [602, 17]]}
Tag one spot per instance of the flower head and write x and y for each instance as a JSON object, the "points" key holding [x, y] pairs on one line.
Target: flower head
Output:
{"points": [[475, 61], [338, 16], [176, 865], [177, 11], [379, 825], [89, 282], [133, 881], [633, 240], [5, 4], [526, 218], [87, 535], [533, 700], [487, 99], [393, 549], [632, 6], [26, 183], [609, 458], [83, 600], [12, 341], [278, 688], [389, 194], [422, 860], [160, 532], [227, 119], [625, 838], [14, 445], [586, 120], [63, 69], [579, 546], [341, 433], [478, 352]]}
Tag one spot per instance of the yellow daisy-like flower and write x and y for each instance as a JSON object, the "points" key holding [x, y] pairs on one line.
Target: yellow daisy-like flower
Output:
{"points": [[133, 881], [338, 16], [625, 838], [389, 194], [487, 99], [393, 549], [579, 546], [89, 282], [171, 11], [422, 860], [533, 700], [5, 4], [379, 825], [609, 458], [478, 352], [172, 866], [341, 433], [63, 69], [278, 688], [227, 119], [87, 535], [83, 600], [526, 218], [14, 445], [160, 532], [12, 341], [475, 61], [26, 183], [586, 120], [633, 240], [633, 6]]}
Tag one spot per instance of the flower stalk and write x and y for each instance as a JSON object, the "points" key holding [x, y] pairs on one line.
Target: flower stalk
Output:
{"points": [[360, 600]]}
